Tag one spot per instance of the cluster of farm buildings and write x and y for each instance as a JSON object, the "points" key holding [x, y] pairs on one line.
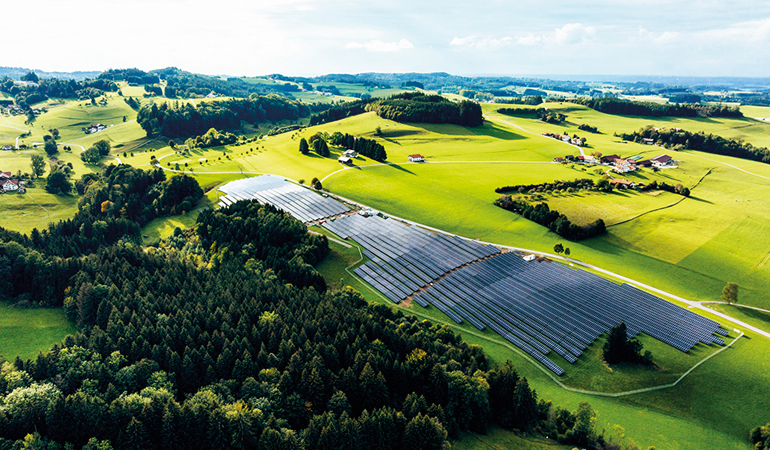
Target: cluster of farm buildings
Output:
{"points": [[347, 156], [574, 140], [621, 165], [94, 128], [9, 184]]}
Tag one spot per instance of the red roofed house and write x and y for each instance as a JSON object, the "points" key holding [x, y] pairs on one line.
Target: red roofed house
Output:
{"points": [[610, 159], [618, 182], [10, 185], [7, 147], [416, 158], [5, 175]]}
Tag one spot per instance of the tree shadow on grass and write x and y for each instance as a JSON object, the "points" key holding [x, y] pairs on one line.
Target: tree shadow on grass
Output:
{"points": [[395, 166], [496, 131], [697, 199]]}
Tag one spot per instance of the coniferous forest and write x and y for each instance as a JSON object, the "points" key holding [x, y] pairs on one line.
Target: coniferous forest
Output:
{"points": [[225, 336]]}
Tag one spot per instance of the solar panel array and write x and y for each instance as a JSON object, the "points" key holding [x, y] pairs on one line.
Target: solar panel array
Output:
{"points": [[542, 307], [300, 202], [403, 258]]}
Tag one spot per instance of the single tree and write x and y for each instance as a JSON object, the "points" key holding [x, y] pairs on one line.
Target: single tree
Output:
{"points": [[304, 148], [38, 165], [58, 183], [566, 251], [558, 248], [50, 147], [730, 293]]}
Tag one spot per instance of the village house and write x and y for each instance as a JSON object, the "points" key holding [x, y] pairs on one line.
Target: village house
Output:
{"points": [[648, 141], [621, 183], [350, 153], [10, 185], [7, 147], [344, 160], [610, 159], [662, 160], [416, 158], [5, 175]]}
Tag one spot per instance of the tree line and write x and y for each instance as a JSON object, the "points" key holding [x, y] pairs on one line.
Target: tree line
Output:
{"points": [[611, 105], [543, 114], [678, 139], [339, 112], [558, 223], [579, 184], [184, 119], [45, 88]]}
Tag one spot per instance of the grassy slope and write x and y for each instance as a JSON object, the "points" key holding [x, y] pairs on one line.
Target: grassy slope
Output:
{"points": [[25, 332]]}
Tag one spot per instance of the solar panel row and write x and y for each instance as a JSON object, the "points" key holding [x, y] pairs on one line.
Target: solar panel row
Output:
{"points": [[404, 259], [552, 307], [302, 203]]}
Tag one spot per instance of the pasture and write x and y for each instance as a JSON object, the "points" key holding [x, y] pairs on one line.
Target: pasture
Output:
{"points": [[26, 331]]}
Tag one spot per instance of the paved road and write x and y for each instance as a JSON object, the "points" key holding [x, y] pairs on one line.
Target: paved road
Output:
{"points": [[17, 137]]}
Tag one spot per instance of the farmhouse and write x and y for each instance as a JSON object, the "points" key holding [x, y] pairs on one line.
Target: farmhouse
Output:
{"points": [[5, 175], [621, 183], [7, 147], [624, 167], [344, 160], [662, 160], [416, 158], [610, 159], [10, 185], [529, 258], [645, 163], [648, 141], [350, 153], [558, 159]]}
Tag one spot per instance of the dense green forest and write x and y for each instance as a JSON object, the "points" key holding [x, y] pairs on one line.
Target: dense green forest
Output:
{"points": [[611, 105], [339, 112], [419, 107], [408, 107], [678, 139], [184, 119], [224, 336]]}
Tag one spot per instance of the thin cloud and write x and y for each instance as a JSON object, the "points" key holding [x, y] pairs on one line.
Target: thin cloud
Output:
{"points": [[380, 46], [571, 33]]}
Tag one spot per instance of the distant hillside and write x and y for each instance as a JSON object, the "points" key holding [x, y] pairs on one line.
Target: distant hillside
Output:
{"points": [[17, 72]]}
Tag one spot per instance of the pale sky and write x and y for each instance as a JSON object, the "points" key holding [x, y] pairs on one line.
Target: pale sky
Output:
{"points": [[315, 37]]}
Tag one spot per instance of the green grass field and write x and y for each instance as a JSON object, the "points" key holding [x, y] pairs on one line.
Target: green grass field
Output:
{"points": [[25, 332]]}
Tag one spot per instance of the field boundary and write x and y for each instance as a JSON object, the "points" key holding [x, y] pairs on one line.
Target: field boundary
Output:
{"points": [[662, 207]]}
